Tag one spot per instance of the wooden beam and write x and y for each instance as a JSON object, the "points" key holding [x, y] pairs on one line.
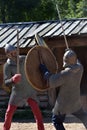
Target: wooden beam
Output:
{"points": [[74, 41]]}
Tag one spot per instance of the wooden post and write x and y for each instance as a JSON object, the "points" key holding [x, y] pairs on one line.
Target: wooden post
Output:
{"points": [[17, 51]]}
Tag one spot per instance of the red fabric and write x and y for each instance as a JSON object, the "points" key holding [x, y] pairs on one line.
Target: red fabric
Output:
{"points": [[37, 113], [8, 117], [35, 109], [16, 78]]}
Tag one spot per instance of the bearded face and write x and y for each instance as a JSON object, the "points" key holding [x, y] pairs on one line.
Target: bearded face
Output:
{"points": [[12, 55]]}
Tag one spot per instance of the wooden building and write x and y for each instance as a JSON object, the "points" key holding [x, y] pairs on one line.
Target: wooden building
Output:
{"points": [[51, 31]]}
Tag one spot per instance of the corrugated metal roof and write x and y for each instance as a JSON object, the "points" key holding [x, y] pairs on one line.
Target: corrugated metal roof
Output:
{"points": [[27, 30]]}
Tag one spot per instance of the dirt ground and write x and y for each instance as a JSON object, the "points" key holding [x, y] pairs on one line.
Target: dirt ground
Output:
{"points": [[70, 124]]}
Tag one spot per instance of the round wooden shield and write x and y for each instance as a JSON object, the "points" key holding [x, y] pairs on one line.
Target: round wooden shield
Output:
{"points": [[36, 56]]}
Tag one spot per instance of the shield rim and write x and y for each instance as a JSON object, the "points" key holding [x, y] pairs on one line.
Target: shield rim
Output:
{"points": [[27, 76]]}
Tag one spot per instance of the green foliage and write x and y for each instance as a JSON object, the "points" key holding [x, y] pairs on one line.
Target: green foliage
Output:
{"points": [[82, 8], [44, 11], [16, 10], [38, 10]]}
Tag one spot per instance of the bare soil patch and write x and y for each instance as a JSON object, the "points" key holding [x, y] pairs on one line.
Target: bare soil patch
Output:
{"points": [[71, 123]]}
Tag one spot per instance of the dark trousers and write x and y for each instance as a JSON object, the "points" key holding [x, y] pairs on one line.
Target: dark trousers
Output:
{"points": [[59, 119]]}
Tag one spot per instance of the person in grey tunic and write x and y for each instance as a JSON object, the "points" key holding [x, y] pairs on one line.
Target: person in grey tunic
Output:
{"points": [[68, 81], [22, 91]]}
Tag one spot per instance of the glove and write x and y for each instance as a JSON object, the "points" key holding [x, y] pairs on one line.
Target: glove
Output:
{"points": [[45, 72], [43, 69], [16, 78]]}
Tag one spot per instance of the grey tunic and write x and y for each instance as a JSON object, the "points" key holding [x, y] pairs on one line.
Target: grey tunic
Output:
{"points": [[20, 91], [68, 99]]}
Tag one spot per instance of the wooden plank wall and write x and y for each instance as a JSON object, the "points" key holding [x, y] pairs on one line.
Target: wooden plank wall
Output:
{"points": [[5, 91], [58, 52]]}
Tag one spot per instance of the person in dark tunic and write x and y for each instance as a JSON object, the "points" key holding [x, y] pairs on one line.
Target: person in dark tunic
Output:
{"points": [[68, 80], [22, 91]]}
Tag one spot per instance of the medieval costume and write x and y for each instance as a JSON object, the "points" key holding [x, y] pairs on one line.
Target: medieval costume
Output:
{"points": [[68, 81], [22, 91]]}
